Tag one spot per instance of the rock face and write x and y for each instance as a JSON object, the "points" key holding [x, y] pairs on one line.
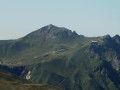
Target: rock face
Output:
{"points": [[28, 75], [57, 56]]}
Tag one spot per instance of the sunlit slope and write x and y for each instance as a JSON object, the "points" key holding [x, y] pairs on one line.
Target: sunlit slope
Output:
{"points": [[12, 82]]}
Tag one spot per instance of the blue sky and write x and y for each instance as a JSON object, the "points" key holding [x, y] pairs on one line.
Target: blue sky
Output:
{"points": [[86, 17]]}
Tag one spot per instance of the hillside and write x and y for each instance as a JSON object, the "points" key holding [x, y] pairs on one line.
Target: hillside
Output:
{"points": [[12, 82], [57, 56]]}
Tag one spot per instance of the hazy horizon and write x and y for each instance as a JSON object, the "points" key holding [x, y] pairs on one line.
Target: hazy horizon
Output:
{"points": [[89, 17]]}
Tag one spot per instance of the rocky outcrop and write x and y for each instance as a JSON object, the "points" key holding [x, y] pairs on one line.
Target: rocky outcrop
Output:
{"points": [[28, 76]]}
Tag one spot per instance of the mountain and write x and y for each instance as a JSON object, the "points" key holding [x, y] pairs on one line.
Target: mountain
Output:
{"points": [[9, 81], [58, 56], [30, 48]]}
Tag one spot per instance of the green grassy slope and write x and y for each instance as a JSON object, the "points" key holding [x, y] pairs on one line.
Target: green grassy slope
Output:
{"points": [[12, 82]]}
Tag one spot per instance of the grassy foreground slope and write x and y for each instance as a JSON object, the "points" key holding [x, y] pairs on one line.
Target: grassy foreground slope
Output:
{"points": [[12, 82]]}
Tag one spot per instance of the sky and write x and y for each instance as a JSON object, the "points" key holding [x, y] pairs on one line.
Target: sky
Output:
{"points": [[87, 17]]}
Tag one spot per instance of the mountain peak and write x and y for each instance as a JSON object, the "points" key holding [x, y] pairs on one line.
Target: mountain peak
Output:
{"points": [[52, 31], [116, 36], [50, 26]]}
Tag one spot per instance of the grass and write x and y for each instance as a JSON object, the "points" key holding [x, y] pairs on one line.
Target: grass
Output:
{"points": [[12, 82]]}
